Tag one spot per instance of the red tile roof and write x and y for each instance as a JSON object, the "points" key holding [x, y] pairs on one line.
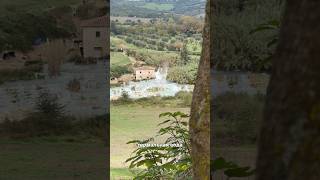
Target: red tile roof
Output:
{"points": [[96, 22]]}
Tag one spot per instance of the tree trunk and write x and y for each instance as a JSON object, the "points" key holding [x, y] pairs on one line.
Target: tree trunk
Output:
{"points": [[289, 146], [200, 112]]}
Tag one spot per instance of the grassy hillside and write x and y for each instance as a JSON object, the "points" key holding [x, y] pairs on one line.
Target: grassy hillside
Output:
{"points": [[119, 59], [158, 7]]}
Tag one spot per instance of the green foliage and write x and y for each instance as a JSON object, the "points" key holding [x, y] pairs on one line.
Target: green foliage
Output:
{"points": [[153, 58], [28, 72], [237, 47], [125, 8], [49, 119], [230, 169], [185, 74], [237, 118], [274, 27], [49, 105], [182, 99], [158, 7], [161, 162], [117, 71], [20, 30], [184, 55]]}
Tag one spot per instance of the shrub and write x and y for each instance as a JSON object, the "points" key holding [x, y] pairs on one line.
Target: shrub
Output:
{"points": [[49, 119], [117, 71], [29, 72], [164, 162], [186, 97], [183, 74], [129, 40]]}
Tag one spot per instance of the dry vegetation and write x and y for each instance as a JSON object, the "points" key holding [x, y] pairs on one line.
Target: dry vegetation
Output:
{"points": [[54, 54]]}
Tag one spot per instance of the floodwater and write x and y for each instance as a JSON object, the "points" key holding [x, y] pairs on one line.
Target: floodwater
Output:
{"points": [[159, 86], [18, 98]]}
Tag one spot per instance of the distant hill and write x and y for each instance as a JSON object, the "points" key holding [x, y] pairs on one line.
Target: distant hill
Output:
{"points": [[190, 7], [156, 8]]}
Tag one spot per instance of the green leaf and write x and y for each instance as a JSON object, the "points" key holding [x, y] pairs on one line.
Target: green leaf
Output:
{"points": [[134, 141], [165, 114], [239, 172], [221, 163], [131, 158], [274, 41], [180, 114], [164, 122]]}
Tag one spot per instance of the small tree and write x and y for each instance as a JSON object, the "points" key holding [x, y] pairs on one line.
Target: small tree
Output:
{"points": [[184, 55], [165, 162], [55, 52]]}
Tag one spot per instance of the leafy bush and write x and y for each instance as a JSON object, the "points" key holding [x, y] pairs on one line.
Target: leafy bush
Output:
{"points": [[164, 162], [235, 47], [185, 96], [28, 72], [183, 74], [117, 71], [49, 119], [230, 169], [20, 30]]}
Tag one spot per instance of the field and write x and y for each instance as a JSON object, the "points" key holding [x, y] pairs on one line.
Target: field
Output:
{"points": [[119, 59], [130, 122], [43, 159], [124, 19], [158, 7]]}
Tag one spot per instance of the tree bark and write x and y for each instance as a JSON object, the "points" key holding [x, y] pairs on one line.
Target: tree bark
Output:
{"points": [[200, 111], [289, 146]]}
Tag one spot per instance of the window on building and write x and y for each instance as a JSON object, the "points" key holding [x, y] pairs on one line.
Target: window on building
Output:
{"points": [[98, 34]]}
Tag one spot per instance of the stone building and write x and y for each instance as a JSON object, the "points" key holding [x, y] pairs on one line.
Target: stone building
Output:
{"points": [[144, 72], [95, 37]]}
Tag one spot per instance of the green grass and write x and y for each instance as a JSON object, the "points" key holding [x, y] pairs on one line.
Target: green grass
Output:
{"points": [[123, 173], [41, 159], [194, 46], [119, 59], [129, 122], [158, 7]]}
